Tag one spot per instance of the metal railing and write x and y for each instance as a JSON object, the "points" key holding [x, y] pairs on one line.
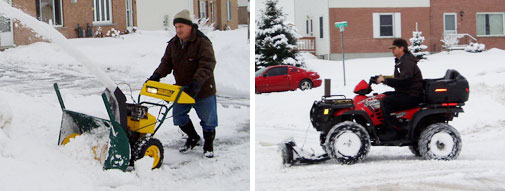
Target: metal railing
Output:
{"points": [[307, 44]]}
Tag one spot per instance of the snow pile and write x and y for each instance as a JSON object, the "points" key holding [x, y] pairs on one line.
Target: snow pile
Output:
{"points": [[143, 166], [481, 126]]}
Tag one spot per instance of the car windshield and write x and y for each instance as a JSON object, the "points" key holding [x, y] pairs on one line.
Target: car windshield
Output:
{"points": [[260, 71]]}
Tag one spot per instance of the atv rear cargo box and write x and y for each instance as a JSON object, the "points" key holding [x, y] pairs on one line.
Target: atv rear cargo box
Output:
{"points": [[452, 88]]}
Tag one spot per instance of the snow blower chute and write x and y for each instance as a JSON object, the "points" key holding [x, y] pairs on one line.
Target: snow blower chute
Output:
{"points": [[128, 133]]}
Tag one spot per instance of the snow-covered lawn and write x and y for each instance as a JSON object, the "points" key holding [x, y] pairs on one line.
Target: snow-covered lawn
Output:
{"points": [[30, 116], [480, 165]]}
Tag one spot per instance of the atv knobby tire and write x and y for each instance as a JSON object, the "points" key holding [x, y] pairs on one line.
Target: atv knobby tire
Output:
{"points": [[439, 141], [149, 146], [347, 142]]}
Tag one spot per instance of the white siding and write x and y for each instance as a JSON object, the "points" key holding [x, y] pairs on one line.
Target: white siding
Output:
{"points": [[377, 3], [151, 13], [313, 10]]}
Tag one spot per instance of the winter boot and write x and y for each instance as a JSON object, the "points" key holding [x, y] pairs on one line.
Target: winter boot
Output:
{"points": [[208, 148], [193, 138]]}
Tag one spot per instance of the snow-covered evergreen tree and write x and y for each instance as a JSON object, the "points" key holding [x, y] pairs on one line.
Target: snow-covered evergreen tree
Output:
{"points": [[275, 40], [417, 45]]}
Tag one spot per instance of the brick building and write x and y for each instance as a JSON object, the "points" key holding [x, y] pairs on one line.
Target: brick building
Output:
{"points": [[373, 24], [66, 15]]}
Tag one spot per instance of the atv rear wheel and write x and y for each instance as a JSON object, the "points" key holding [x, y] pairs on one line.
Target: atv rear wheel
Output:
{"points": [[149, 146], [347, 142], [305, 84], [440, 141]]}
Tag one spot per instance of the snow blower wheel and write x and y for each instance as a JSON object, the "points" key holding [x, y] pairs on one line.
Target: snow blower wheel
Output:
{"points": [[347, 143], [440, 141], [67, 139], [149, 146]]}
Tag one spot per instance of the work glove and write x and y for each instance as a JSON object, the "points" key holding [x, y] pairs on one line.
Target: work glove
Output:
{"points": [[154, 77], [193, 88]]}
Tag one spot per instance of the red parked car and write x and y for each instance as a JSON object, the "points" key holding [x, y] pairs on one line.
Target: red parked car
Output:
{"points": [[283, 77]]}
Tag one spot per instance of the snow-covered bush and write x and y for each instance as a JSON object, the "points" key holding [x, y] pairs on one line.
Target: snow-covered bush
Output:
{"points": [[417, 45], [449, 41], [204, 25], [113, 33], [98, 33], [475, 47], [275, 40]]}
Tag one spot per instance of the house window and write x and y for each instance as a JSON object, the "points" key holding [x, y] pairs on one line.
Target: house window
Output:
{"points": [[102, 12], [228, 10], [49, 11], [203, 11], [490, 24], [450, 26], [309, 28], [387, 25], [320, 27]]}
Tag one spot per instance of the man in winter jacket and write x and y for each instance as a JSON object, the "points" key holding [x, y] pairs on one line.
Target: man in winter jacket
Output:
{"points": [[190, 56], [408, 84]]}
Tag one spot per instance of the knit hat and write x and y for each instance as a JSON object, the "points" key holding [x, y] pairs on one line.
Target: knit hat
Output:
{"points": [[183, 17]]}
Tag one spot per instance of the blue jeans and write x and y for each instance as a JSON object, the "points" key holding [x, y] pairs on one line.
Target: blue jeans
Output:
{"points": [[205, 109]]}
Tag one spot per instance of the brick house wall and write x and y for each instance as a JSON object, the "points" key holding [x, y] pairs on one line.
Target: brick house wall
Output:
{"points": [[80, 13], [243, 16], [358, 35], [466, 23], [360, 42]]}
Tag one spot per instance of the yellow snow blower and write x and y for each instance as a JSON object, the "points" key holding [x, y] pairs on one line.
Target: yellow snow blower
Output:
{"points": [[128, 133]]}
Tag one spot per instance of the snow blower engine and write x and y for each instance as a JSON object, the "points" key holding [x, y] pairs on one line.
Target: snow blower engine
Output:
{"points": [[127, 135]]}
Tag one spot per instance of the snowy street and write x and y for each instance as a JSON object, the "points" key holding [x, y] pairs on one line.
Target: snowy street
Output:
{"points": [[30, 116], [480, 165]]}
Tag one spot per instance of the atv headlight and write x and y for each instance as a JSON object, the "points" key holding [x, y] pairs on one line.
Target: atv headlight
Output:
{"points": [[152, 90]]}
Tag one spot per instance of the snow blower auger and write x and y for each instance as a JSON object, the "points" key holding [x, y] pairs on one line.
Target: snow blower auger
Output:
{"points": [[127, 135]]}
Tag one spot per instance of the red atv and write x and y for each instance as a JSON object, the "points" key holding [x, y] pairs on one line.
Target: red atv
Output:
{"points": [[349, 126]]}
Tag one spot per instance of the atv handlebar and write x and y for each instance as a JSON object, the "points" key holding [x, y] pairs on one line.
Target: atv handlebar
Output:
{"points": [[373, 80]]}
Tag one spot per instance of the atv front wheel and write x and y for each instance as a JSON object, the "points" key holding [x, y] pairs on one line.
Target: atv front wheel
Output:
{"points": [[149, 146], [440, 141], [347, 142]]}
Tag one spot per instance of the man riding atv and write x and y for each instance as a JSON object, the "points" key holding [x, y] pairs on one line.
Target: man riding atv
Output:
{"points": [[408, 84]]}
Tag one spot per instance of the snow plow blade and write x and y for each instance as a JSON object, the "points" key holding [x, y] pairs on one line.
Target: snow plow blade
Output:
{"points": [[293, 155], [113, 151]]}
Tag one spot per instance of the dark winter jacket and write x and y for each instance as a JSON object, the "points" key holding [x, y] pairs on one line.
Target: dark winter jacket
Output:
{"points": [[407, 77], [194, 61]]}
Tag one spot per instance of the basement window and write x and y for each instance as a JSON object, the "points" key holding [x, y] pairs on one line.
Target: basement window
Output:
{"points": [[490, 24], [102, 12], [50, 11]]}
